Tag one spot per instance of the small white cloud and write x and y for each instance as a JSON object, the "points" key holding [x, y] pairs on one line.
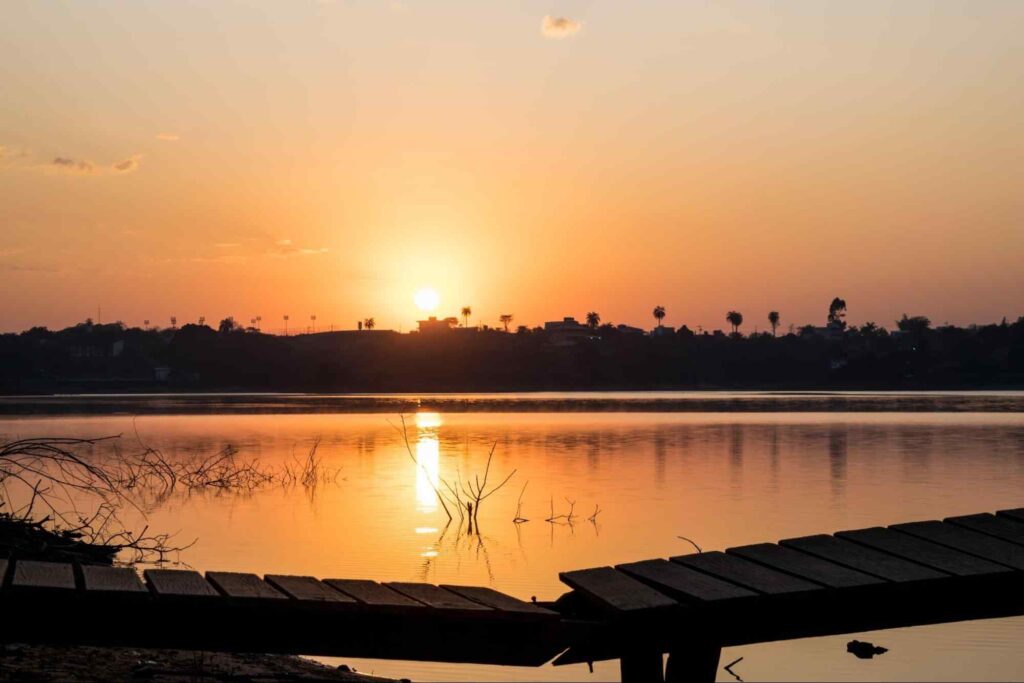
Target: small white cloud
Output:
{"points": [[559, 27], [168, 137]]}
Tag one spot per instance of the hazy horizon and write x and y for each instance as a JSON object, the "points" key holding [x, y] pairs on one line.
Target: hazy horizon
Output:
{"points": [[540, 159]]}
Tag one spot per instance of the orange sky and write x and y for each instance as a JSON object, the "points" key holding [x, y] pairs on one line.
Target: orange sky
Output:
{"points": [[261, 157]]}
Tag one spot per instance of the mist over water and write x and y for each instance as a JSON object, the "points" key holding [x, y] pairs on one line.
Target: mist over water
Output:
{"points": [[719, 478]]}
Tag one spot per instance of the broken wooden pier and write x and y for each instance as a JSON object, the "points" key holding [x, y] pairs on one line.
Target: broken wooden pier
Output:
{"points": [[689, 607]]}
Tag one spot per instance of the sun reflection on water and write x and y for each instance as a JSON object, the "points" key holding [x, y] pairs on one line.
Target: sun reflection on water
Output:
{"points": [[428, 455]]}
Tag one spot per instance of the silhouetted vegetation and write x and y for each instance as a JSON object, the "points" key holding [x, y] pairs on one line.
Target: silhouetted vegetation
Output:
{"points": [[112, 357]]}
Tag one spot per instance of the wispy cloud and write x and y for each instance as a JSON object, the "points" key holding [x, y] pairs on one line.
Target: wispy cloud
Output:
{"points": [[168, 137], [86, 167], [14, 265], [73, 165], [559, 27], [127, 165], [11, 157], [286, 248]]}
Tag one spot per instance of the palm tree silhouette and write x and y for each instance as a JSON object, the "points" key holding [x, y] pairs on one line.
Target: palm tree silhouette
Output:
{"points": [[593, 320], [659, 314], [735, 319], [773, 318], [369, 323], [466, 312], [836, 313], [505, 319]]}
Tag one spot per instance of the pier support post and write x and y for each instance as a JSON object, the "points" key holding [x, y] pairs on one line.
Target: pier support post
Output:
{"points": [[642, 666], [694, 662]]}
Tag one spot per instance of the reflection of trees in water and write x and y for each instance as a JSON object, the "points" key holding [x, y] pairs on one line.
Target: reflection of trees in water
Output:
{"points": [[660, 450], [773, 456], [837, 458]]}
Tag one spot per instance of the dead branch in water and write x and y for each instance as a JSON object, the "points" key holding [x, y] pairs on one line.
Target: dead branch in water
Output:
{"points": [[53, 476], [466, 497], [481, 492], [568, 517], [684, 538], [519, 519]]}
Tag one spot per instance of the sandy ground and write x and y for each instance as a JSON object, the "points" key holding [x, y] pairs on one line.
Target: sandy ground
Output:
{"points": [[74, 664]]}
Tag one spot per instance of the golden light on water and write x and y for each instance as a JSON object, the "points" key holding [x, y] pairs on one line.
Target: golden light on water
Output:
{"points": [[428, 455]]}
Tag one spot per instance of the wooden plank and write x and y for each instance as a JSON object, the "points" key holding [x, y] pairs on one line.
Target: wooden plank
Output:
{"points": [[436, 597], [373, 593], [499, 601], [616, 591], [805, 566], [1000, 527], [101, 579], [862, 558], [179, 583], [241, 585], [1017, 514], [965, 540], [4, 565], [307, 589], [923, 552], [683, 583], [756, 577], [34, 574]]}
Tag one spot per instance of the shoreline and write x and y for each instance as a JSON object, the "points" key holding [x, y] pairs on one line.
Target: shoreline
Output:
{"points": [[994, 401]]}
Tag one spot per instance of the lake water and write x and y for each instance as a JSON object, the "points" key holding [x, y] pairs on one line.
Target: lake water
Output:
{"points": [[718, 478]]}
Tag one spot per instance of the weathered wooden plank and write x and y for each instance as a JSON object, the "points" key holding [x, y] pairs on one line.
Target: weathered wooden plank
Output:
{"points": [[965, 540], [101, 579], [923, 552], [805, 566], [1017, 514], [179, 583], [306, 588], [683, 583], [373, 593], [34, 574], [616, 591], [499, 601], [1000, 527], [862, 558], [4, 565], [241, 585], [756, 577], [436, 597]]}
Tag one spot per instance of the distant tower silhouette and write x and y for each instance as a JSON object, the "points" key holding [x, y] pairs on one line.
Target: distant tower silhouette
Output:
{"points": [[174, 322], [145, 323], [286, 326], [312, 319], [202, 320]]}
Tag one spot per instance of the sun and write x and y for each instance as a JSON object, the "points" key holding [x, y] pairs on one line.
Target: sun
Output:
{"points": [[426, 299]]}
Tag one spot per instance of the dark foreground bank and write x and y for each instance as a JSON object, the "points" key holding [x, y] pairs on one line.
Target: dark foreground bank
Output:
{"points": [[47, 663]]}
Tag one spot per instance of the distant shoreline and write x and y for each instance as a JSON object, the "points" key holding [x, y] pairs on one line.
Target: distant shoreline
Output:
{"points": [[987, 401]]}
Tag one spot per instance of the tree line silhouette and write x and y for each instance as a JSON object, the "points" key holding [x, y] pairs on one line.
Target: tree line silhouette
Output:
{"points": [[914, 354]]}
